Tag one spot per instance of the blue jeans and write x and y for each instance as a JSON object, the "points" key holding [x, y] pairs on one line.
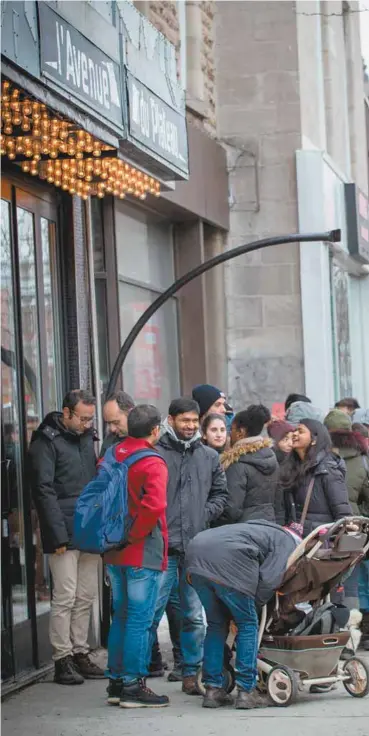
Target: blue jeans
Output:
{"points": [[135, 590], [193, 628], [364, 585], [221, 605]]}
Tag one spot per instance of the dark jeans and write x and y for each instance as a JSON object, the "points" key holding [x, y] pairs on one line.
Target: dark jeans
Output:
{"points": [[173, 611], [221, 605], [135, 591], [193, 628]]}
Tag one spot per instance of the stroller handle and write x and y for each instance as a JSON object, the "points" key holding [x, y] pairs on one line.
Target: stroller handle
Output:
{"points": [[324, 532]]}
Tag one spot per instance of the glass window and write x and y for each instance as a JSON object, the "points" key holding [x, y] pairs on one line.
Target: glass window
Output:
{"points": [[144, 247], [151, 372], [10, 419], [52, 336], [102, 320], [341, 322], [30, 328]]}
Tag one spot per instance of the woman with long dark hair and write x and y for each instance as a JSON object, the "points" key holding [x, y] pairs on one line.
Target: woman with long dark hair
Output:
{"points": [[312, 459]]}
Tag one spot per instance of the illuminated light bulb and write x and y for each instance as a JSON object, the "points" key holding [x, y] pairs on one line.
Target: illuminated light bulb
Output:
{"points": [[79, 155], [101, 194], [27, 107], [19, 146], [34, 172], [11, 155], [57, 182], [15, 93], [17, 120], [37, 157], [25, 167], [8, 129], [36, 132], [50, 179], [143, 195], [65, 186], [6, 85], [26, 125], [96, 152], [53, 153]]}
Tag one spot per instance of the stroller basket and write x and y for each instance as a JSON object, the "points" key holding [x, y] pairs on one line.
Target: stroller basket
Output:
{"points": [[312, 656]]}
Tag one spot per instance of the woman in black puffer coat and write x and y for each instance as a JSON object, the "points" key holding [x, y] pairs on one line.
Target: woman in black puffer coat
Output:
{"points": [[312, 457]]}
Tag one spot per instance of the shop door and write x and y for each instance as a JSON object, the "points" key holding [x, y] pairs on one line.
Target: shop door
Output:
{"points": [[31, 385]]}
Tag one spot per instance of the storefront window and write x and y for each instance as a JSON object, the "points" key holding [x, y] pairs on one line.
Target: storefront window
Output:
{"points": [[12, 498], [151, 373], [146, 268], [52, 337]]}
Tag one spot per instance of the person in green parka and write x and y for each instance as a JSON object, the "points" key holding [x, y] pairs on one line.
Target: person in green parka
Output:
{"points": [[350, 446]]}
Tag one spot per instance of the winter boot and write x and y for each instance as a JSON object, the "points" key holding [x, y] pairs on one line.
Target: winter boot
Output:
{"points": [[114, 691], [216, 697], [137, 695], [87, 667], [66, 672]]}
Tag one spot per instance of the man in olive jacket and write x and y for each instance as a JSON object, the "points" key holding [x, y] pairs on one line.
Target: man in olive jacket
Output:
{"points": [[62, 461], [196, 496]]}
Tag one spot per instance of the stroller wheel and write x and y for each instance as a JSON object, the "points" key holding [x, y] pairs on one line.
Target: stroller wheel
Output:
{"points": [[282, 686], [358, 684], [229, 680]]}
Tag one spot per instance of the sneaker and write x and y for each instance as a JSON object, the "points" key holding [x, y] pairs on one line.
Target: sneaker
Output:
{"points": [[246, 700], [88, 668], [216, 697], [114, 691], [66, 672], [189, 685], [138, 695]]}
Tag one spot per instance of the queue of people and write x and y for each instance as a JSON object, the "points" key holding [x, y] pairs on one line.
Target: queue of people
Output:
{"points": [[218, 500]]}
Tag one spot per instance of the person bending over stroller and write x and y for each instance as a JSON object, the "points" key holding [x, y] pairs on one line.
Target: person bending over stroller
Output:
{"points": [[235, 569]]}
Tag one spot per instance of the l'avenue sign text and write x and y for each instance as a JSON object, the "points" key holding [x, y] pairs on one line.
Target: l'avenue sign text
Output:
{"points": [[157, 125], [80, 67]]}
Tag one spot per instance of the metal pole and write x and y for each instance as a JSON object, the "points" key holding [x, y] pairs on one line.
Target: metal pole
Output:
{"points": [[332, 236]]}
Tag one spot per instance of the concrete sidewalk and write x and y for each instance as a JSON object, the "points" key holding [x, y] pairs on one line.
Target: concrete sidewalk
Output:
{"points": [[46, 709]]}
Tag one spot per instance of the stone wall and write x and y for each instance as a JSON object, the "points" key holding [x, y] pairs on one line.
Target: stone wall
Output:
{"points": [[259, 123]]}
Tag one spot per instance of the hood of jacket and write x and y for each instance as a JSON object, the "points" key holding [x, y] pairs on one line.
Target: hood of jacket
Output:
{"points": [[52, 425], [170, 439], [257, 452]]}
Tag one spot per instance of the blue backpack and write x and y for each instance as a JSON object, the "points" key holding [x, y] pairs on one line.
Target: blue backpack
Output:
{"points": [[101, 521]]}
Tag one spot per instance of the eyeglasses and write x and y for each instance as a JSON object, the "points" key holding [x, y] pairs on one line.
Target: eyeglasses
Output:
{"points": [[83, 420]]}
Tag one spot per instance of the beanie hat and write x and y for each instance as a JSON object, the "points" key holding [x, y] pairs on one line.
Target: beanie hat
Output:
{"points": [[302, 410], [361, 416], [206, 396], [278, 429], [337, 420]]}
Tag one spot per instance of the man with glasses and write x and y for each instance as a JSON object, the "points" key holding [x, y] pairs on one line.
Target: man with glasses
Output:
{"points": [[62, 461]]}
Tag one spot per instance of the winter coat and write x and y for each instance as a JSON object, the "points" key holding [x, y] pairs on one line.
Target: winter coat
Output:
{"points": [[329, 500], [197, 488], [147, 489], [250, 558], [252, 476], [61, 463], [110, 440], [357, 478]]}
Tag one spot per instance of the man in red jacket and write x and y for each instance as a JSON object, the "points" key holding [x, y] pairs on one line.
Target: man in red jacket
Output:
{"points": [[135, 571]]}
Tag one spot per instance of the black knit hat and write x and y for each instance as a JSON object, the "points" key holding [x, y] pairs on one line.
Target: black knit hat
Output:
{"points": [[206, 396]]}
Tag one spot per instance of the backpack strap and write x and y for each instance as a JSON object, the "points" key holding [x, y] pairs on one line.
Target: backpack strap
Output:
{"points": [[139, 455]]}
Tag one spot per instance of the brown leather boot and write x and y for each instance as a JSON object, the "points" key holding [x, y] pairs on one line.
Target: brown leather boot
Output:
{"points": [[189, 685], [253, 699], [216, 697]]}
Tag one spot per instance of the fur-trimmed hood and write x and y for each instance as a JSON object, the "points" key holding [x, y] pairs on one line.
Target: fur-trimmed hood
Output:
{"points": [[256, 451]]}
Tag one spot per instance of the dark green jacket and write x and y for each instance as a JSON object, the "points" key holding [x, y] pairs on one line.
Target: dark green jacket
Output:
{"points": [[357, 479]]}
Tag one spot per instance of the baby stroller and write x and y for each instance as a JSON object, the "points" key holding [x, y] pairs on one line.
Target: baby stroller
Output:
{"points": [[301, 634]]}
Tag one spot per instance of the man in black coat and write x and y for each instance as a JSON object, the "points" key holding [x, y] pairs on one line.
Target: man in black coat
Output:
{"points": [[234, 569], [197, 494], [62, 461]]}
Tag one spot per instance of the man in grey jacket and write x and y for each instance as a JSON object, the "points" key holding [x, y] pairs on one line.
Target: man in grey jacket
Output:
{"points": [[234, 569], [196, 496]]}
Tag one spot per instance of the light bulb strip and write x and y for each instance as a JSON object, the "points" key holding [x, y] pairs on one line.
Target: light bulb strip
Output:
{"points": [[64, 155]]}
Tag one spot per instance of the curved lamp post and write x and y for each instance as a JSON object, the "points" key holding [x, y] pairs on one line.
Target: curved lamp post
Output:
{"points": [[332, 236]]}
